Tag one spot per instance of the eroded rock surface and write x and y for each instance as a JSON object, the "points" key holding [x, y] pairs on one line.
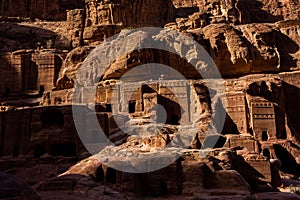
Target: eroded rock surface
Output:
{"points": [[176, 124]]}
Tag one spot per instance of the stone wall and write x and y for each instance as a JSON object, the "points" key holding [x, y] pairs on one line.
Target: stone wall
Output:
{"points": [[48, 65], [15, 133], [237, 118], [28, 70], [13, 68], [40, 130], [48, 10], [242, 11], [104, 19]]}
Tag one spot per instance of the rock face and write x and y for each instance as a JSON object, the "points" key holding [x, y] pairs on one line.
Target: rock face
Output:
{"points": [[152, 13], [54, 10], [14, 36], [176, 123], [73, 62], [238, 44], [29, 70], [104, 19], [251, 48], [238, 11]]}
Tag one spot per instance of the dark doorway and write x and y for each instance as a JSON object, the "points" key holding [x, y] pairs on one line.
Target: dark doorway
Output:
{"points": [[99, 174], [68, 150], [265, 136], [39, 150], [52, 118], [111, 176], [266, 153], [15, 151], [7, 91], [41, 90], [163, 188], [175, 120], [283, 134], [131, 106], [171, 109]]}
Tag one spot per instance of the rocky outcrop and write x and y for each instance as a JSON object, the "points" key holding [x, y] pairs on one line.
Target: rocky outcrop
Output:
{"points": [[243, 49], [177, 125], [54, 10], [260, 11], [106, 18], [70, 67], [16, 36], [233, 37], [123, 13], [222, 172], [236, 11]]}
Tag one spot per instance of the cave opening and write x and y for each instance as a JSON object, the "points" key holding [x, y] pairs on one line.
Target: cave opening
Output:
{"points": [[131, 106], [163, 188], [283, 135], [52, 118], [67, 150], [174, 119], [265, 136], [99, 174], [111, 175], [169, 112], [39, 150], [15, 151]]}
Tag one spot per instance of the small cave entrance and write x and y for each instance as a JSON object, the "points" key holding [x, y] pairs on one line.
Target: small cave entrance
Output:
{"points": [[76, 33], [264, 135], [99, 174], [15, 151], [131, 106], [67, 150], [174, 119], [267, 153], [111, 175], [163, 188], [52, 119], [39, 150], [283, 134], [172, 110]]}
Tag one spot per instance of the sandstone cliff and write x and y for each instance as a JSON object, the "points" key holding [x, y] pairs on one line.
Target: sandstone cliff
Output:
{"points": [[255, 44]]}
